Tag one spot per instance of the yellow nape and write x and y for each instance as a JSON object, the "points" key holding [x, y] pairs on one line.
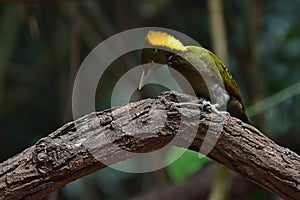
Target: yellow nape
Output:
{"points": [[157, 38]]}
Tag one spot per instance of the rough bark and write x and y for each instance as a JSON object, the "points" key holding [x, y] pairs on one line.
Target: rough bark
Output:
{"points": [[74, 150]]}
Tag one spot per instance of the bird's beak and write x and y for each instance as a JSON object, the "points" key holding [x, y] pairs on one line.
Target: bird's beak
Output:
{"points": [[147, 72], [144, 77]]}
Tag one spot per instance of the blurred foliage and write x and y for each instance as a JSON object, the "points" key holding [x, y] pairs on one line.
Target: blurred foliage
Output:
{"points": [[42, 46], [186, 165]]}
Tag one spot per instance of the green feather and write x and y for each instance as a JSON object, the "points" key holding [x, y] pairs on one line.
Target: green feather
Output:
{"points": [[199, 66]]}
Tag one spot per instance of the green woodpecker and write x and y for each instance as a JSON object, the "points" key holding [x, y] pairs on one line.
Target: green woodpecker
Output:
{"points": [[199, 66]]}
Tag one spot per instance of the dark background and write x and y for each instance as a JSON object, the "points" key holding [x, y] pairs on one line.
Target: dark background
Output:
{"points": [[43, 44]]}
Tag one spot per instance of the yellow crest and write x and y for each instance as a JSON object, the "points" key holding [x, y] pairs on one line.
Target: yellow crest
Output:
{"points": [[157, 38]]}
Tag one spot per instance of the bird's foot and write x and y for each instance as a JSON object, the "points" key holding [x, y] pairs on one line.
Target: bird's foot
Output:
{"points": [[213, 108], [209, 107], [203, 105]]}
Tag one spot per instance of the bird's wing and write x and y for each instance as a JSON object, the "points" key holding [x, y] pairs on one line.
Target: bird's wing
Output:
{"points": [[220, 71]]}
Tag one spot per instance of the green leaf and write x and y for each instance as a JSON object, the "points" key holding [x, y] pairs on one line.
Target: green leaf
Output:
{"points": [[188, 163]]}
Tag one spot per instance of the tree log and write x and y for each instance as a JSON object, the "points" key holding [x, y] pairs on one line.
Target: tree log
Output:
{"points": [[63, 156]]}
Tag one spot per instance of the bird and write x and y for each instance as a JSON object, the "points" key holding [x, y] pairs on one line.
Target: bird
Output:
{"points": [[205, 72]]}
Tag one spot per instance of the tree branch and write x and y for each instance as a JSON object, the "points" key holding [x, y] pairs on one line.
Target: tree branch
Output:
{"points": [[71, 151]]}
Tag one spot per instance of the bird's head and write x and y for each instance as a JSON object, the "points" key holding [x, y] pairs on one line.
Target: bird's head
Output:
{"points": [[159, 47]]}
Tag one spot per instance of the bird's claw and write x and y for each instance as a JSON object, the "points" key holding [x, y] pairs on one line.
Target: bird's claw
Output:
{"points": [[212, 108], [204, 105]]}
